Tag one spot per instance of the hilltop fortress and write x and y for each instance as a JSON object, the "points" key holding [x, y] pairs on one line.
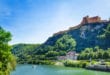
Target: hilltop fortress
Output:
{"points": [[85, 20], [95, 19]]}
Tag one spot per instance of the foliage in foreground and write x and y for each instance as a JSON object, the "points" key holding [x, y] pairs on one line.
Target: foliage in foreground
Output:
{"points": [[7, 60]]}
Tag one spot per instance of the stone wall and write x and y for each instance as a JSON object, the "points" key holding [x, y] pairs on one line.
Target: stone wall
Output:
{"points": [[88, 19]]}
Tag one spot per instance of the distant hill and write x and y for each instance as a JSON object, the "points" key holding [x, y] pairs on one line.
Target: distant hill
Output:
{"points": [[24, 51]]}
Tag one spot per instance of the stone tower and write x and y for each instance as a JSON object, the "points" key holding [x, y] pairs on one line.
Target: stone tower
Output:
{"points": [[88, 19]]}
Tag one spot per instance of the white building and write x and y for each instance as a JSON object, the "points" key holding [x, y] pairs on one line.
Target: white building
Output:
{"points": [[71, 55]]}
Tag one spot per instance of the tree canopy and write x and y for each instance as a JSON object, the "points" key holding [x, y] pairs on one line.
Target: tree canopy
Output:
{"points": [[66, 42], [7, 60]]}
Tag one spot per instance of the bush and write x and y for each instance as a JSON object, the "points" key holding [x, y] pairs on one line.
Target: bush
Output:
{"points": [[81, 64], [84, 64]]}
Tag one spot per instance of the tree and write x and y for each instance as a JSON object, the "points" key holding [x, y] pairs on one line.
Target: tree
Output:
{"points": [[94, 53], [106, 55], [52, 54], [62, 53], [44, 49], [7, 60], [66, 43], [88, 50], [106, 33]]}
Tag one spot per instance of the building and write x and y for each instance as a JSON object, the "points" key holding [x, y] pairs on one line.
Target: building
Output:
{"points": [[88, 19], [61, 57], [71, 55]]}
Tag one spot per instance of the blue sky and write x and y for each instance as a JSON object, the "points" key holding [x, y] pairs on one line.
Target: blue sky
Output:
{"points": [[33, 21]]}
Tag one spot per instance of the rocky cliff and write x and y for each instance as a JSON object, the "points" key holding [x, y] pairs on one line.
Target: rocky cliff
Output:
{"points": [[86, 35]]}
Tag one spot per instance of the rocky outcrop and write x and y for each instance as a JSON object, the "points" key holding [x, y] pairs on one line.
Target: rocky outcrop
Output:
{"points": [[94, 19], [86, 34]]}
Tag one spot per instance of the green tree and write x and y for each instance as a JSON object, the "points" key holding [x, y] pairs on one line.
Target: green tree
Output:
{"points": [[52, 54], [106, 33], [66, 42], [7, 60], [106, 55], [62, 53], [88, 50]]}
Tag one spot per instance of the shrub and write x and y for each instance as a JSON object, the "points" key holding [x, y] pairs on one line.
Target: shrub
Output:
{"points": [[81, 64]]}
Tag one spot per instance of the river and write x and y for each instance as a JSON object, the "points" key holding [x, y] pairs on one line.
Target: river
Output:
{"points": [[53, 70]]}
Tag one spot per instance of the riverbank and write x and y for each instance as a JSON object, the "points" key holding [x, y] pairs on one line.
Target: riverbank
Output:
{"points": [[93, 65], [99, 68]]}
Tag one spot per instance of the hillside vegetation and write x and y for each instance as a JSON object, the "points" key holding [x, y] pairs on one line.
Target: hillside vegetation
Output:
{"points": [[31, 53], [85, 39]]}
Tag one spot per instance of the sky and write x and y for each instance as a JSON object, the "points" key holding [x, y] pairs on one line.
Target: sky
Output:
{"points": [[34, 21]]}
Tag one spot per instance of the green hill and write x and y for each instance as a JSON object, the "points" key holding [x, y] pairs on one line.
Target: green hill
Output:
{"points": [[78, 38], [85, 35]]}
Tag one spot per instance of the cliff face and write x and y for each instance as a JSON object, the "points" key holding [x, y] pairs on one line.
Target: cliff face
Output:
{"points": [[86, 35]]}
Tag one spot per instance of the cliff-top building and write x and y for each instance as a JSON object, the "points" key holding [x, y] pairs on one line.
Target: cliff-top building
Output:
{"points": [[88, 19]]}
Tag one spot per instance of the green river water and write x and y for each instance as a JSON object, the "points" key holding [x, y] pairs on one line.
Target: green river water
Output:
{"points": [[53, 70]]}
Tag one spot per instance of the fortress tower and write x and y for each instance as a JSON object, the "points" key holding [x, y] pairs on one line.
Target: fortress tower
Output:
{"points": [[88, 19]]}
